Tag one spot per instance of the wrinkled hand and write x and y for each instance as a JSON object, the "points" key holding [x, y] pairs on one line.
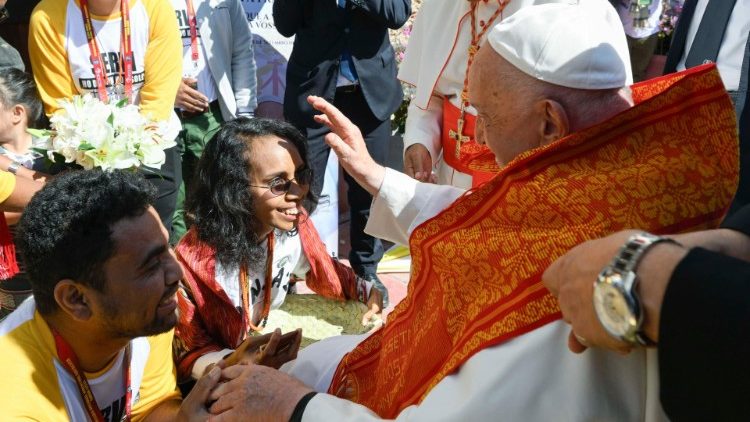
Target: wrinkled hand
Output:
{"points": [[190, 99], [374, 306], [193, 407], [271, 350], [418, 163], [346, 141], [571, 279], [255, 393]]}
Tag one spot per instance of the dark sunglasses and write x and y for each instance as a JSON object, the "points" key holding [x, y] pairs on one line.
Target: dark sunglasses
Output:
{"points": [[280, 186]]}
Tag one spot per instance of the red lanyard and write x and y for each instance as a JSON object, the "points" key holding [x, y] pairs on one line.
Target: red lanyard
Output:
{"points": [[193, 22], [70, 361], [126, 51], [267, 287]]}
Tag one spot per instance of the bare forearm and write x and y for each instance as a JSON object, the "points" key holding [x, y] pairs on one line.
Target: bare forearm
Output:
{"points": [[22, 194], [21, 171], [371, 179], [724, 241]]}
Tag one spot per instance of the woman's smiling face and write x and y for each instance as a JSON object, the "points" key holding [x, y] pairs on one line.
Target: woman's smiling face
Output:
{"points": [[274, 160]]}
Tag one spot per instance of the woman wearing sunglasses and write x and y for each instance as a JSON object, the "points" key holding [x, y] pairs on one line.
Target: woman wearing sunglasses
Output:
{"points": [[251, 238]]}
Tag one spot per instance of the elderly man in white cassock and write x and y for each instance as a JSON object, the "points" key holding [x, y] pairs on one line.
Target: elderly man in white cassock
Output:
{"points": [[478, 337]]}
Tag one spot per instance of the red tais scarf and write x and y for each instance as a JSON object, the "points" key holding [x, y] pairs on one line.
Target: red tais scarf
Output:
{"points": [[669, 164], [8, 262]]}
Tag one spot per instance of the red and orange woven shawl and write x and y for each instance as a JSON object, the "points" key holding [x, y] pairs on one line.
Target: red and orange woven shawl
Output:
{"points": [[669, 164]]}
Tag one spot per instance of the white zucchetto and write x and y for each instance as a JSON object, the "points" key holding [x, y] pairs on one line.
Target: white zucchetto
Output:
{"points": [[579, 44]]}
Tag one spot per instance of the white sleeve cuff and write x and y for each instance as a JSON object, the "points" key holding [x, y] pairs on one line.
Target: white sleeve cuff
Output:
{"points": [[200, 365]]}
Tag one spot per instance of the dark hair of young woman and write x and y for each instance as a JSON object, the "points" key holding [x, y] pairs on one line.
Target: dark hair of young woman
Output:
{"points": [[220, 204]]}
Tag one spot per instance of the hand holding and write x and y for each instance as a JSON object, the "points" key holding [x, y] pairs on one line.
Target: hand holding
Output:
{"points": [[189, 98], [571, 279], [418, 163], [271, 350], [193, 407], [255, 393], [374, 306]]}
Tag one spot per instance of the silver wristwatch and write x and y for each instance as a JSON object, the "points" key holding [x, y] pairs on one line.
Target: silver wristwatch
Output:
{"points": [[615, 301]]}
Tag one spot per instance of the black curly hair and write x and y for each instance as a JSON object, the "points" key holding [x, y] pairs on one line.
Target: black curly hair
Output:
{"points": [[65, 231], [220, 204]]}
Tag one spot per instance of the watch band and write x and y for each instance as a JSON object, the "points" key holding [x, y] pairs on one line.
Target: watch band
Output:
{"points": [[631, 253], [627, 260], [629, 256]]}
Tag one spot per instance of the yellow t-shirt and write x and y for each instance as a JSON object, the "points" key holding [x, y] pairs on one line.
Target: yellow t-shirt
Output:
{"points": [[36, 386], [7, 184], [60, 56]]}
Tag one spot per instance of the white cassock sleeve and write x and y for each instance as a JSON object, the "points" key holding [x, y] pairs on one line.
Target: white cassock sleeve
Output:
{"points": [[424, 126], [403, 203], [533, 377]]}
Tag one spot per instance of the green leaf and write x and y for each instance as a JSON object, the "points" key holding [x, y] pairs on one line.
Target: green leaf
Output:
{"points": [[111, 119], [38, 133], [122, 103], [85, 146]]}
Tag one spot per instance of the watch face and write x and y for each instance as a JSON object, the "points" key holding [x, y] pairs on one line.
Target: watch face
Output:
{"points": [[612, 307]]}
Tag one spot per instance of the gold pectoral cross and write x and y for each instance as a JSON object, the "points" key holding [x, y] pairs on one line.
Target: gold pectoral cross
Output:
{"points": [[459, 136]]}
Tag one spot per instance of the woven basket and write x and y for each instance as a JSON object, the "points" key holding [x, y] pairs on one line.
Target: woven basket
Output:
{"points": [[319, 317]]}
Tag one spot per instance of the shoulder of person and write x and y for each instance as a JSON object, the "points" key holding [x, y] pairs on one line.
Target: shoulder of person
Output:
{"points": [[49, 11]]}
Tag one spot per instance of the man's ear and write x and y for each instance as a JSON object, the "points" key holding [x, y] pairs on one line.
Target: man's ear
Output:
{"points": [[73, 299], [554, 121]]}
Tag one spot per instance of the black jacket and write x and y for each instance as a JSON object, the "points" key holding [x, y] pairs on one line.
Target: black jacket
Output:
{"points": [[704, 336], [322, 31]]}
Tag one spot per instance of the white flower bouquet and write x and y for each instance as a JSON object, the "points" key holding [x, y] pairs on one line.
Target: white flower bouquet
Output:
{"points": [[91, 133]]}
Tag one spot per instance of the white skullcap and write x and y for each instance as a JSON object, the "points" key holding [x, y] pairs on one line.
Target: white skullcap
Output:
{"points": [[577, 44]]}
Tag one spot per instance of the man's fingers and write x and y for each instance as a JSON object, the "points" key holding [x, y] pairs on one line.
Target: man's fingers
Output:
{"points": [[269, 349], [233, 372], [369, 315], [341, 148], [226, 401], [193, 105], [205, 384], [335, 119], [411, 168], [194, 403], [224, 387], [291, 352], [418, 162], [323, 120], [327, 108], [551, 278], [574, 343]]}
